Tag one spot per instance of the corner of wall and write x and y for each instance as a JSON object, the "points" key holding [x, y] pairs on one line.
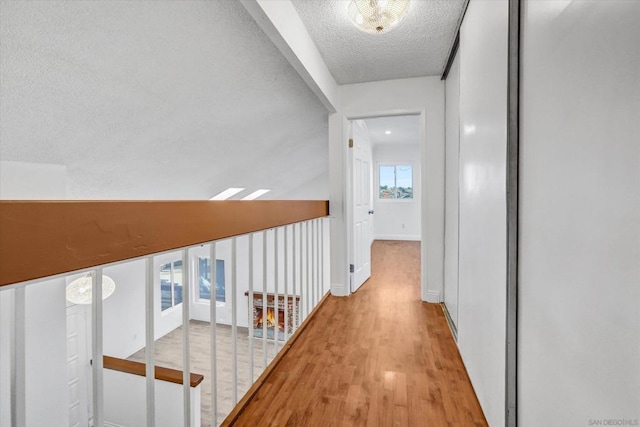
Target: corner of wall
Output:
{"points": [[339, 290], [433, 297]]}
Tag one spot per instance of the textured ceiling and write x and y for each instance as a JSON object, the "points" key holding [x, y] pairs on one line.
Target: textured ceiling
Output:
{"points": [[403, 130], [155, 100], [418, 46], [181, 100]]}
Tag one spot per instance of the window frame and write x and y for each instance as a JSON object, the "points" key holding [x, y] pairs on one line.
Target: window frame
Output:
{"points": [[170, 261], [196, 285], [395, 165]]}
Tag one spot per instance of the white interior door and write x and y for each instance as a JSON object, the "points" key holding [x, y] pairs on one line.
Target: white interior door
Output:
{"points": [[362, 207], [77, 363]]}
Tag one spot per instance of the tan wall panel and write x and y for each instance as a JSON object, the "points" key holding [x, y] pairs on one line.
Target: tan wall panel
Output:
{"points": [[44, 238]]}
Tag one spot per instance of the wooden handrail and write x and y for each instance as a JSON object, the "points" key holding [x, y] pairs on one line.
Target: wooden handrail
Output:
{"points": [[137, 368], [45, 238]]}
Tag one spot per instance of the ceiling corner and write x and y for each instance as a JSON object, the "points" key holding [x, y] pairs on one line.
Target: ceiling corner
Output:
{"points": [[283, 26]]}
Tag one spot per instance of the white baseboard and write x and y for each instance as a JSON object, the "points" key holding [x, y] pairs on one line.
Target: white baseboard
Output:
{"points": [[432, 297], [339, 290], [411, 237]]}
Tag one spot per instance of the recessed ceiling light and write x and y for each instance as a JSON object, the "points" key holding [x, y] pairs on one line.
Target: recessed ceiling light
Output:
{"points": [[387, 132], [229, 192]]}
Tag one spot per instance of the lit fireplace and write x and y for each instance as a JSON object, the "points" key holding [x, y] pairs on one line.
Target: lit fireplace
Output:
{"points": [[271, 319], [258, 316]]}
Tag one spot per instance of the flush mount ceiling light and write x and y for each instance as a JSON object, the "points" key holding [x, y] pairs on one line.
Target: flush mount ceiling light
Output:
{"points": [[377, 16], [79, 291]]}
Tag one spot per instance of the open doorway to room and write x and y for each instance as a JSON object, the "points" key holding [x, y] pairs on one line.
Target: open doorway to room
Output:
{"points": [[384, 170]]}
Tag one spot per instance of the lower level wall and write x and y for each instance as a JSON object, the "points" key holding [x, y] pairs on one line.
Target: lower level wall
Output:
{"points": [[46, 355], [397, 219], [125, 397]]}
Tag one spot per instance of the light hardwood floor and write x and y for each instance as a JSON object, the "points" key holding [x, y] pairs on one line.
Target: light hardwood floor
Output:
{"points": [[168, 353], [380, 357]]}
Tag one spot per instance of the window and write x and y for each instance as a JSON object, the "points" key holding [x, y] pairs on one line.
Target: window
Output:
{"points": [[396, 182], [204, 279], [171, 284]]}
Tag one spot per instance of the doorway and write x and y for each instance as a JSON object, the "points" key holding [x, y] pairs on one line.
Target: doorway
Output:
{"points": [[384, 171]]}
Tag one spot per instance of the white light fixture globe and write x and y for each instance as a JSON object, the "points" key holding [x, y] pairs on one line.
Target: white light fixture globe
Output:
{"points": [[377, 16], [79, 291]]}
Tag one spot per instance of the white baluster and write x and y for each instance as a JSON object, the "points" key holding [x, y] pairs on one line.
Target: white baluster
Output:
{"points": [[96, 349], [234, 318], [213, 322], [150, 342]]}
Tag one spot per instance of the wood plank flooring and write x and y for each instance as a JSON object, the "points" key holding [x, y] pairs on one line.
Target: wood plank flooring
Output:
{"points": [[168, 353], [380, 357]]}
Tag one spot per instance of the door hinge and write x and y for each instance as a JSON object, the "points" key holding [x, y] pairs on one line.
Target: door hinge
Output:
{"points": [[350, 143], [352, 268]]}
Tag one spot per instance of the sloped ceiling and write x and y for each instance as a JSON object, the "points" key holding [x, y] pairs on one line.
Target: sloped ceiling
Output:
{"points": [[418, 46], [155, 100]]}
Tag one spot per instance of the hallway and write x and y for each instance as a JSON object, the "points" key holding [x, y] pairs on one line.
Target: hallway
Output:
{"points": [[379, 357]]}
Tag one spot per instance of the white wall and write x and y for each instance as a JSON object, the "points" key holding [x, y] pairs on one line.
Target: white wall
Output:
{"points": [[397, 219], [579, 296], [6, 326], [120, 389], [314, 189], [452, 104], [32, 181], [424, 95], [45, 332], [45, 315], [124, 311], [46, 341], [482, 233]]}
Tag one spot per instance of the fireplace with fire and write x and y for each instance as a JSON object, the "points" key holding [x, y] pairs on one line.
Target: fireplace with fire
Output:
{"points": [[275, 321]]}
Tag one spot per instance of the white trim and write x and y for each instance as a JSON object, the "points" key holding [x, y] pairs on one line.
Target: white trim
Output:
{"points": [[410, 237], [378, 200], [423, 96], [432, 297], [186, 348], [338, 290], [339, 240], [17, 358]]}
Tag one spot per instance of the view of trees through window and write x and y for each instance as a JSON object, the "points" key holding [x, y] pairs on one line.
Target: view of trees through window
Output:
{"points": [[396, 182]]}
